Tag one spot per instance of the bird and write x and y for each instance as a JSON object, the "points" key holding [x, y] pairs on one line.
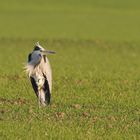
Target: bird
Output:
{"points": [[40, 74]]}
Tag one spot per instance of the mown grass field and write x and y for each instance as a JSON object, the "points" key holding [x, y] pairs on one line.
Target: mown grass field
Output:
{"points": [[96, 70]]}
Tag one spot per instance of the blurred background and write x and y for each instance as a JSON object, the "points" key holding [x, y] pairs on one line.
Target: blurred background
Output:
{"points": [[109, 20]]}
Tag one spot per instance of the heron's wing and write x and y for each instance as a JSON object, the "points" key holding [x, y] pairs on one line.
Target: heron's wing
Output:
{"points": [[34, 85], [46, 89], [46, 69]]}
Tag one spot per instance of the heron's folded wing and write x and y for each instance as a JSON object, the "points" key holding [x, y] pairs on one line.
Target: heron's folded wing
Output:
{"points": [[47, 90], [34, 85]]}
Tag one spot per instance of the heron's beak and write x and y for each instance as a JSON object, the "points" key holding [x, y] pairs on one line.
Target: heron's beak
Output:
{"points": [[48, 52]]}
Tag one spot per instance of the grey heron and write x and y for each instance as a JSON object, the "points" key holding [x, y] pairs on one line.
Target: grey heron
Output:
{"points": [[40, 74]]}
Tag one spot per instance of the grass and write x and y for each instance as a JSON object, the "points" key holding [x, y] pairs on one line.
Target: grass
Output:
{"points": [[95, 70], [95, 93]]}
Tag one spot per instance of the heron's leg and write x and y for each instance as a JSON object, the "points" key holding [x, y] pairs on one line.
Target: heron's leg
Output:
{"points": [[42, 98]]}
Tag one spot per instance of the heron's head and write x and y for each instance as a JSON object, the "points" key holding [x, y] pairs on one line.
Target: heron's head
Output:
{"points": [[38, 47]]}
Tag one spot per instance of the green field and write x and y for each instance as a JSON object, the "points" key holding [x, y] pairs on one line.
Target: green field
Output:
{"points": [[96, 70]]}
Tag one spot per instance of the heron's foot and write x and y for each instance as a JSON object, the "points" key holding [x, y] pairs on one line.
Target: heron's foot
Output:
{"points": [[42, 103]]}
